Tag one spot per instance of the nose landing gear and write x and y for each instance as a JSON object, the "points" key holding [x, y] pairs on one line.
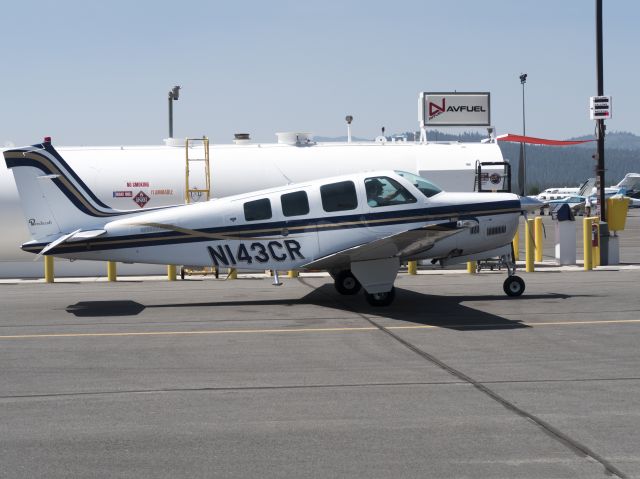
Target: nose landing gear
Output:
{"points": [[514, 285]]}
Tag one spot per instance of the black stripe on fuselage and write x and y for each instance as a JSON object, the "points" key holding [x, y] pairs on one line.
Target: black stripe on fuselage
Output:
{"points": [[267, 229]]}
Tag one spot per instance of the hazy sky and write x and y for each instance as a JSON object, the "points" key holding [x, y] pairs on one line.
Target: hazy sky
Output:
{"points": [[98, 72]]}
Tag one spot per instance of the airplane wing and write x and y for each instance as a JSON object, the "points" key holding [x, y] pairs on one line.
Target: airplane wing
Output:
{"points": [[403, 245]]}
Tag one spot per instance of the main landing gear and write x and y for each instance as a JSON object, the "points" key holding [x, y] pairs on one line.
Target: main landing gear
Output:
{"points": [[346, 283], [381, 299]]}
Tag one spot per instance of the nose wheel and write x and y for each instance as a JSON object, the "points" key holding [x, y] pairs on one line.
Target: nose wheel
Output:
{"points": [[513, 286]]}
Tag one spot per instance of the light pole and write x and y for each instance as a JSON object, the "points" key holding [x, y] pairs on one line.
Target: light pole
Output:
{"points": [[348, 119], [522, 166], [600, 127], [174, 93]]}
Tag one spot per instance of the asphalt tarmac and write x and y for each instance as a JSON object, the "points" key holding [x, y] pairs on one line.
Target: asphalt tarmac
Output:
{"points": [[207, 378]]}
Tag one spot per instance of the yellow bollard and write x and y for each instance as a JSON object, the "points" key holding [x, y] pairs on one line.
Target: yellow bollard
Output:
{"points": [[516, 246], [538, 238], [596, 249], [111, 271], [48, 269], [171, 272], [529, 246], [233, 274], [586, 243], [412, 267], [472, 267], [293, 273]]}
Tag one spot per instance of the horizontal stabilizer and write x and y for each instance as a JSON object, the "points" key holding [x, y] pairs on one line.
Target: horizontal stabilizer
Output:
{"points": [[84, 235], [77, 235]]}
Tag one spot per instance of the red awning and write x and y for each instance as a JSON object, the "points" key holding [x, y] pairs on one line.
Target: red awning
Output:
{"points": [[539, 141]]}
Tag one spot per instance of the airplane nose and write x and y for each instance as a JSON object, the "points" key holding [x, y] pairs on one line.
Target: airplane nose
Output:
{"points": [[530, 204]]}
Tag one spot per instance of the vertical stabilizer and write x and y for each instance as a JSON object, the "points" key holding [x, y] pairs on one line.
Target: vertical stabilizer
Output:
{"points": [[54, 199]]}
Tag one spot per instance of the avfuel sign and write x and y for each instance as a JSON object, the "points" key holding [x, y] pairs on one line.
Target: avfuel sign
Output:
{"points": [[455, 109]]}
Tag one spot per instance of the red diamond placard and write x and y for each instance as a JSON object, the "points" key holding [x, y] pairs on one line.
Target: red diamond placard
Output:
{"points": [[141, 199]]}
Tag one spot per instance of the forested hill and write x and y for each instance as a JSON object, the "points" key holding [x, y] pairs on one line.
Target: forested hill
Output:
{"points": [[570, 165]]}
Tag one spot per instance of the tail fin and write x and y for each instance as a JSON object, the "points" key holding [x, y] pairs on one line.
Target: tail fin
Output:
{"points": [[54, 198]]}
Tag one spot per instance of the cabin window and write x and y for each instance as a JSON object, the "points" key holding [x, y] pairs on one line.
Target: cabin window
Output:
{"points": [[426, 187], [383, 191], [295, 204], [257, 210], [339, 196]]}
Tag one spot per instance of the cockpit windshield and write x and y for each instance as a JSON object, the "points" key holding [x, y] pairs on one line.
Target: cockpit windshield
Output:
{"points": [[426, 188]]}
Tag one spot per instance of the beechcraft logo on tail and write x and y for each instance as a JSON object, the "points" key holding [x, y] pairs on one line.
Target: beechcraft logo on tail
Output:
{"points": [[35, 222]]}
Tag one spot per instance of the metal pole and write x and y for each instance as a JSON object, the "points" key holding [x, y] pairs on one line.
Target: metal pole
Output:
{"points": [[170, 115], [600, 128], [524, 146]]}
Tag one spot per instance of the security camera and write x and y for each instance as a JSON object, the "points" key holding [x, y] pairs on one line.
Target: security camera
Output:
{"points": [[175, 92]]}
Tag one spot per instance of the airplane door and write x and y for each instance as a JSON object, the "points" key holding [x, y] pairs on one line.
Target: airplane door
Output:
{"points": [[388, 203]]}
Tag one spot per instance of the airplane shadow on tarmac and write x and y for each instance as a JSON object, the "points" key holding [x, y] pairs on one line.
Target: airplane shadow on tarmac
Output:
{"points": [[409, 306]]}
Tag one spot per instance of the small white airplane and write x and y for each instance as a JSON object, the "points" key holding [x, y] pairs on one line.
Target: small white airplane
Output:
{"points": [[628, 185], [359, 227]]}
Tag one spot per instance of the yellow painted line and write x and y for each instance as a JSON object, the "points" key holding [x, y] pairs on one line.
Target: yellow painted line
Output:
{"points": [[557, 323], [621, 321], [306, 330], [187, 333]]}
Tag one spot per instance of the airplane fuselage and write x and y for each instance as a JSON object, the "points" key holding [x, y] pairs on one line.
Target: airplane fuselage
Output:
{"points": [[223, 233]]}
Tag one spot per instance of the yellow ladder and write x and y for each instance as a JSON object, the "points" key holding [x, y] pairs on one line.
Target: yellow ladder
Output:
{"points": [[190, 149], [190, 144]]}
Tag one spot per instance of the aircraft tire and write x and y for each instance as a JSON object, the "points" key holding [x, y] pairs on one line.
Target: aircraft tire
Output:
{"points": [[513, 286], [346, 283], [381, 299]]}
